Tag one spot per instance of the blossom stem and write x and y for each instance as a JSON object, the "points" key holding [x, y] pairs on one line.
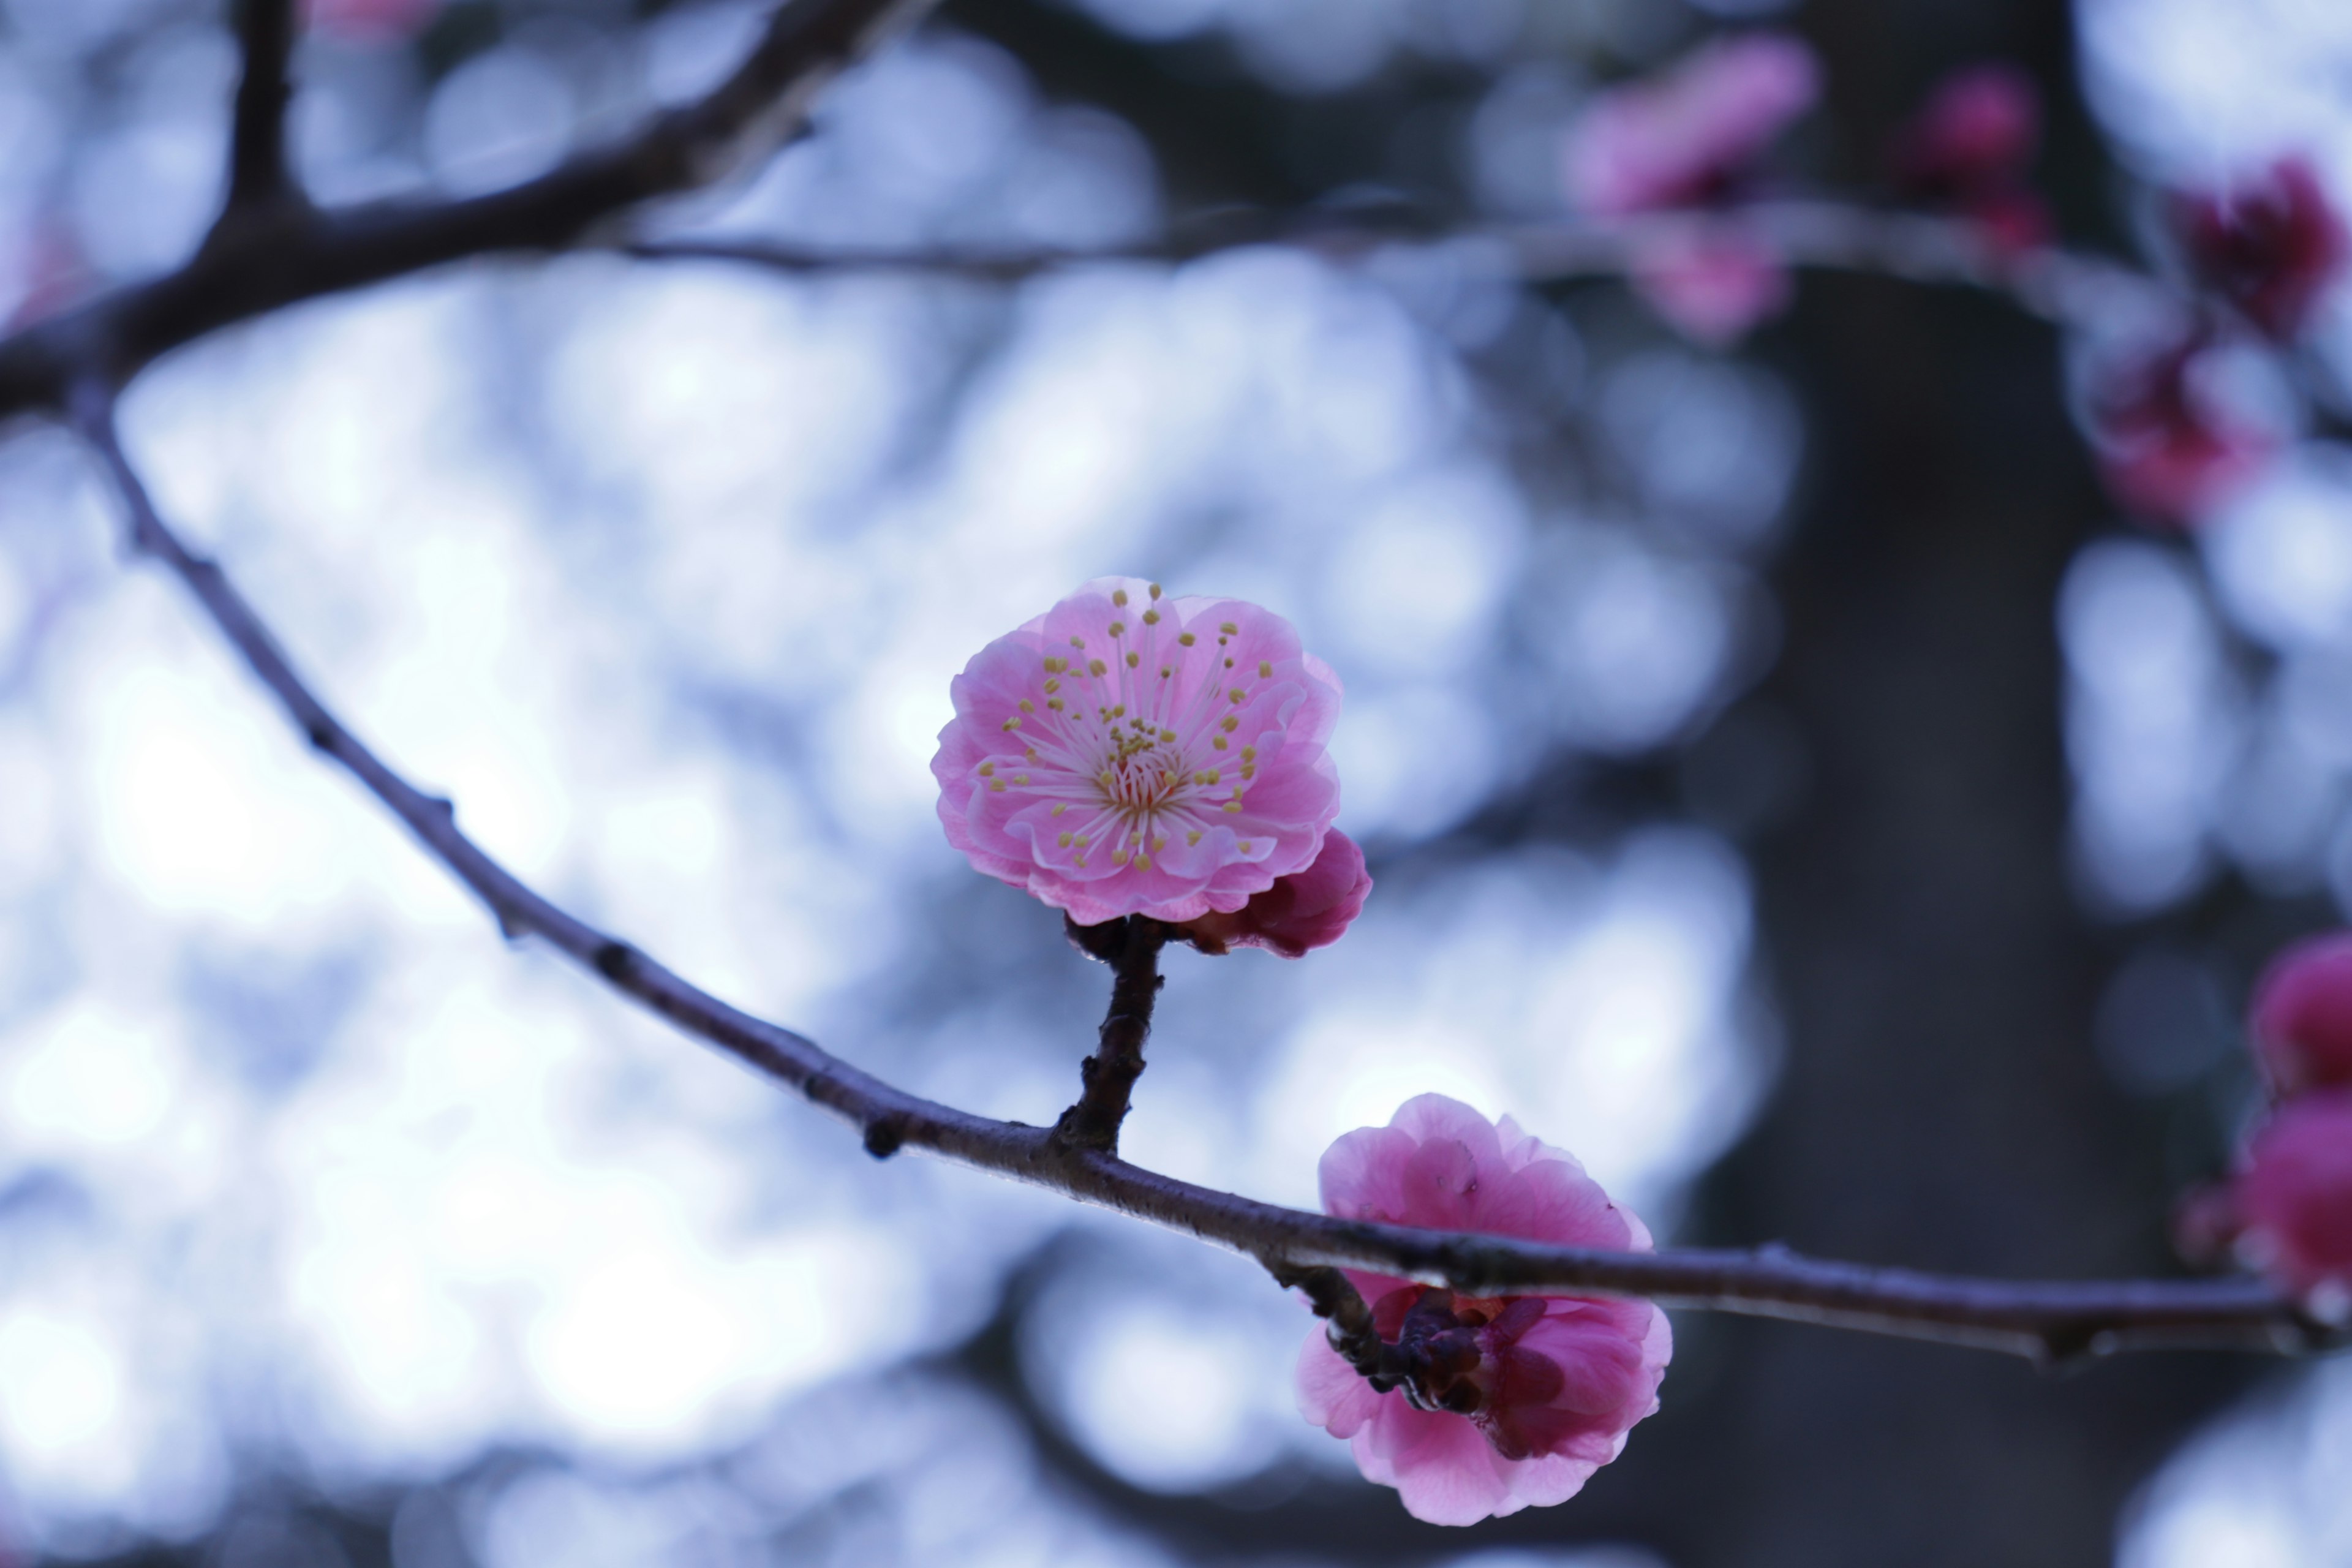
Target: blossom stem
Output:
{"points": [[2046, 1322], [1131, 947]]}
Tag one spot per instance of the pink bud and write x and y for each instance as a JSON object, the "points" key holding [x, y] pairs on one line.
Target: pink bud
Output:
{"points": [[2302, 1022], [2171, 446], [1977, 132], [368, 21], [1690, 135], [1305, 910], [2270, 245], [1713, 287], [2296, 1195], [1516, 1399]]}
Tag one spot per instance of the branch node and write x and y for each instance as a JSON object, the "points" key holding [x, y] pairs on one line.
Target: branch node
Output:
{"points": [[613, 961], [886, 1135], [321, 733]]}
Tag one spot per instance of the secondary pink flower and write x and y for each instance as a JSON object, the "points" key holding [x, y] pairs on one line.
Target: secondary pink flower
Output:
{"points": [[1125, 753], [1305, 910], [2302, 1023], [2294, 1197], [2170, 445], [1537, 1391], [1969, 149], [1691, 136], [1715, 285], [2272, 247]]}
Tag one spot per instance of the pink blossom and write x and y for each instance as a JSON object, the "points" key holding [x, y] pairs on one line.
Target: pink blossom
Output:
{"points": [[2294, 1197], [1715, 285], [1125, 753], [2302, 1023], [1969, 149], [1690, 136], [1305, 910], [1536, 1390], [368, 21], [2272, 246], [2170, 445]]}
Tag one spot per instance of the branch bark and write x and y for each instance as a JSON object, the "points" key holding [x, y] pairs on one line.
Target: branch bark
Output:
{"points": [[259, 180], [1131, 947], [248, 270], [2047, 1321]]}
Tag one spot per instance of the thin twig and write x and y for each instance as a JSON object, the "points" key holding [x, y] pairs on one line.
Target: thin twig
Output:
{"points": [[250, 270], [259, 179], [2056, 284], [1131, 947], [2045, 1321]]}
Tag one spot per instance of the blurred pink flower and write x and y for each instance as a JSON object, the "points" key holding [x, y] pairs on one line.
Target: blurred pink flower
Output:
{"points": [[2170, 445], [1689, 136], [2294, 1198], [1305, 910], [368, 21], [1537, 1391], [2302, 1021], [1124, 754], [1713, 286], [2270, 245], [1969, 149]]}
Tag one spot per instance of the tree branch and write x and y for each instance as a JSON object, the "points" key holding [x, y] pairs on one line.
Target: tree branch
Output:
{"points": [[250, 270], [2056, 284], [2046, 1322], [1131, 947], [259, 180]]}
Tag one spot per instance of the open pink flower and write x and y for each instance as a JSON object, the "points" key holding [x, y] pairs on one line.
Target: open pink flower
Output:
{"points": [[1540, 1389], [1125, 753], [2302, 1023], [2272, 246], [1689, 137], [1969, 149], [1305, 910], [2172, 444], [2295, 1199]]}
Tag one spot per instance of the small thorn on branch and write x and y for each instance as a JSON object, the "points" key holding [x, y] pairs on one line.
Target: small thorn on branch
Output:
{"points": [[885, 1134]]}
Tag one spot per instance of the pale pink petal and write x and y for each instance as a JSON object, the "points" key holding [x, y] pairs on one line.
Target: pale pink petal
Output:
{"points": [[1442, 1468], [1330, 1392]]}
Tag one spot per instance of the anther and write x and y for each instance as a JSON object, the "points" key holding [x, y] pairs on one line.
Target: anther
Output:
{"points": [[1119, 628], [1155, 590], [1237, 694], [1265, 668], [1063, 840], [1077, 642], [988, 770], [1012, 723], [1229, 724], [1151, 617], [1185, 639], [1119, 598], [1096, 667], [1218, 742], [1059, 806], [1193, 836], [1133, 659], [1027, 705], [1142, 862], [1230, 629], [997, 786]]}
